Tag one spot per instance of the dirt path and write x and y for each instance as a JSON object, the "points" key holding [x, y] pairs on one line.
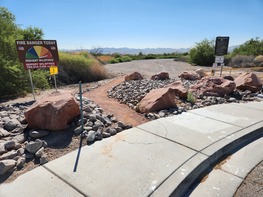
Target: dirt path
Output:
{"points": [[121, 111]]}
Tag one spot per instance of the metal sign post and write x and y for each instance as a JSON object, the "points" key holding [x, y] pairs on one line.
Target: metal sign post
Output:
{"points": [[220, 60], [31, 82], [55, 82]]}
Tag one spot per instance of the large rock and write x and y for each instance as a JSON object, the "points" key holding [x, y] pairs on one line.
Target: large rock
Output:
{"points": [[178, 88], [33, 147], [160, 76], [6, 165], [190, 75], [11, 124], [162, 98], [213, 86], [133, 76], [201, 72], [248, 81], [53, 113]]}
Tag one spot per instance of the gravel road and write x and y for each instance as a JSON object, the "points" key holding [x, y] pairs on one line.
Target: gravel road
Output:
{"points": [[151, 67]]}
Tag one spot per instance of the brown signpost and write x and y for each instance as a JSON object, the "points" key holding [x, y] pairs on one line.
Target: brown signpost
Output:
{"points": [[36, 54]]}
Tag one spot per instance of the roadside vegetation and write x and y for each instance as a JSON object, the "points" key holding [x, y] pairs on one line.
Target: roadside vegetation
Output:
{"points": [[118, 58], [249, 54], [14, 79]]}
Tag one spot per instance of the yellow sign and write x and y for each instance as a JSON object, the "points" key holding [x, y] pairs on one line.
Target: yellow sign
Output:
{"points": [[53, 70]]}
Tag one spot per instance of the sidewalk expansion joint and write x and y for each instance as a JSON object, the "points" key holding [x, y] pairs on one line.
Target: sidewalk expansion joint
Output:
{"points": [[169, 140], [215, 119], [60, 178], [240, 130]]}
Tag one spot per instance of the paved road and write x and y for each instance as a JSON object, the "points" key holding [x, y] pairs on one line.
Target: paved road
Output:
{"points": [[151, 67]]}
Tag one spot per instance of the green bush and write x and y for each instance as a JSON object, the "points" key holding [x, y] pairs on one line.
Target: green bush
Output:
{"points": [[114, 61], [252, 47], [191, 98], [120, 59], [150, 56], [203, 53], [126, 59], [40, 79]]}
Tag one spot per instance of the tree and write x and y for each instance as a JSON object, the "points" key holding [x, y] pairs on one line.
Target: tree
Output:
{"points": [[252, 47], [32, 33], [203, 53], [13, 78], [96, 51]]}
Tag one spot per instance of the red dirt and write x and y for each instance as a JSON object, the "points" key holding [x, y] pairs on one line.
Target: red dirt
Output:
{"points": [[111, 106]]}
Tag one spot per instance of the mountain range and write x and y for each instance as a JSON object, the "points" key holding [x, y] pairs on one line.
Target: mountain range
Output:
{"points": [[133, 51]]}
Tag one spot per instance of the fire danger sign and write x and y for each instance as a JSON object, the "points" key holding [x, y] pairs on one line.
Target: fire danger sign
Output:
{"points": [[36, 54]]}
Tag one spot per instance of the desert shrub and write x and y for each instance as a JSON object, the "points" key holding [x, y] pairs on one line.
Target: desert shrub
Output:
{"points": [[258, 61], [119, 59], [252, 47], [116, 55], [97, 72], [126, 59], [40, 79], [114, 61], [203, 53], [191, 98], [75, 67], [242, 61], [150, 56]]}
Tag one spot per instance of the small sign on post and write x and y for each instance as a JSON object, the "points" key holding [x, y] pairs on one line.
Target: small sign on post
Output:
{"points": [[53, 71], [221, 49]]}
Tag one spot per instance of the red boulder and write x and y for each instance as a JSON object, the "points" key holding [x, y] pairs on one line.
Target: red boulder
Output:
{"points": [[190, 75], [133, 76], [52, 113], [213, 86], [162, 98], [160, 76], [248, 81]]}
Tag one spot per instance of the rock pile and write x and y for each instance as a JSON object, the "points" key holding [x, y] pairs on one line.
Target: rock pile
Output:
{"points": [[132, 92], [207, 91], [20, 145]]}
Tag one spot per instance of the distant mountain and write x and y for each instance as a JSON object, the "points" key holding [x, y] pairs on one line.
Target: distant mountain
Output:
{"points": [[133, 51], [230, 49], [144, 51]]}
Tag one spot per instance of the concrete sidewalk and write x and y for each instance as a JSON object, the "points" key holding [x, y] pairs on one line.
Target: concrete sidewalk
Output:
{"points": [[160, 158]]}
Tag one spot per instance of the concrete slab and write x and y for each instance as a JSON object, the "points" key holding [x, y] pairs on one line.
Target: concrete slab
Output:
{"points": [[177, 184], [233, 140], [253, 105], [37, 182], [244, 160], [193, 131], [132, 163], [240, 115], [218, 183]]}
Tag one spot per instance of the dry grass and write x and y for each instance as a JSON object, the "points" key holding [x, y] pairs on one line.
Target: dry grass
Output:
{"points": [[97, 71], [104, 58]]}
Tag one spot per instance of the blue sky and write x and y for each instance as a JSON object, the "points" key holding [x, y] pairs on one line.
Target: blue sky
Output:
{"points": [[84, 24]]}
